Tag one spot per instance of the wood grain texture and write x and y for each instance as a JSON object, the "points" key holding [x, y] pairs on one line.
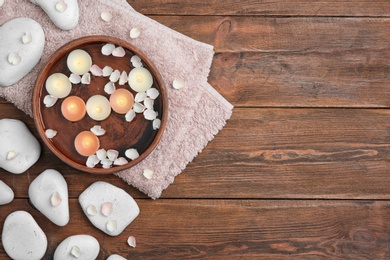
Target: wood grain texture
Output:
{"points": [[231, 229], [282, 153], [264, 7]]}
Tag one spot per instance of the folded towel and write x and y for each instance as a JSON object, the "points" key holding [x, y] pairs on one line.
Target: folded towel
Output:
{"points": [[196, 113]]}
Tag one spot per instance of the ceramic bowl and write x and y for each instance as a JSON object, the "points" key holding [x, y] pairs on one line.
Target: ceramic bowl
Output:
{"points": [[120, 135]]}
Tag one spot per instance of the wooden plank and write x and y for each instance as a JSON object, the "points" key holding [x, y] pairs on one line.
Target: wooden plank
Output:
{"points": [[314, 79], [267, 153], [264, 8], [283, 34], [231, 229]]}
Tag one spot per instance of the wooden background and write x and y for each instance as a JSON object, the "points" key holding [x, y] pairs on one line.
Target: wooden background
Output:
{"points": [[302, 168]]}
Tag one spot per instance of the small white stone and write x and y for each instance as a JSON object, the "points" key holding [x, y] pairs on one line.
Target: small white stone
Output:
{"points": [[137, 64], [130, 115], [49, 100], [116, 257], [178, 84], [74, 78], [107, 49], [50, 133], [83, 247], [15, 136], [135, 33], [109, 88], [14, 58], [115, 75], [86, 79], [49, 194], [27, 38], [106, 163], [12, 155], [6, 193], [132, 153], [131, 241], [156, 124], [106, 16], [1, 2], [98, 130], [125, 208], [25, 55], [64, 15], [107, 71], [22, 238], [148, 174], [119, 52]]}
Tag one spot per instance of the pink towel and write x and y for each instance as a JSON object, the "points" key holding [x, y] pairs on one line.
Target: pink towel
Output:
{"points": [[196, 112]]}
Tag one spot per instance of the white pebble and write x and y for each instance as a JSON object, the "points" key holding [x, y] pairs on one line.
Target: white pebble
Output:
{"points": [[132, 153]]}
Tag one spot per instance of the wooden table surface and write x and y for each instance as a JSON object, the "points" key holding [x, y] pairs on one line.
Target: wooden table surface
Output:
{"points": [[301, 170]]}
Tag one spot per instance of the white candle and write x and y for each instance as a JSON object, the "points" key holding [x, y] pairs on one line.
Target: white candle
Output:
{"points": [[140, 79], [79, 62], [98, 107], [58, 85]]}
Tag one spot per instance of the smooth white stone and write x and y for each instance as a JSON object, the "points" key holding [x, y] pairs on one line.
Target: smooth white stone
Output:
{"points": [[22, 238], [88, 245], [66, 20], [6, 193], [41, 191], [116, 257], [15, 136], [125, 209], [11, 41]]}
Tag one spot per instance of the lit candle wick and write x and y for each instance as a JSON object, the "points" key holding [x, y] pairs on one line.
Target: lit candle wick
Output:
{"points": [[139, 78]]}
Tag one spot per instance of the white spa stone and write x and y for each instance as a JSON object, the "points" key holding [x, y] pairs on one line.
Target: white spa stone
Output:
{"points": [[44, 192], [80, 247], [22, 238], [6, 193], [11, 43], [116, 257], [125, 209], [16, 139], [64, 19]]}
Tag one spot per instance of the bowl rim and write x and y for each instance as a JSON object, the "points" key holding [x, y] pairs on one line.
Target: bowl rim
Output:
{"points": [[59, 54]]}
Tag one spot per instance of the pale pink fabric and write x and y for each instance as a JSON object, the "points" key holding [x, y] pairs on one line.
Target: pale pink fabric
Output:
{"points": [[196, 112]]}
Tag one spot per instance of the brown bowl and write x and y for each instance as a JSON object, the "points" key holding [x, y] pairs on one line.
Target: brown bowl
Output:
{"points": [[120, 134]]}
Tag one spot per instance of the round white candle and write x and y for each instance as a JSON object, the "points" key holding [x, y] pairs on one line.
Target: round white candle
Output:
{"points": [[58, 85], [98, 107], [79, 62], [140, 79]]}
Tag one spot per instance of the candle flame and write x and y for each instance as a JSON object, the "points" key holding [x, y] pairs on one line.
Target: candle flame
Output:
{"points": [[98, 109], [139, 78]]}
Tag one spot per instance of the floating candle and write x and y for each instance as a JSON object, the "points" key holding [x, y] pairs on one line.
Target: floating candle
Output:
{"points": [[58, 85], [121, 101], [140, 79], [86, 143], [79, 62], [98, 107], [73, 108]]}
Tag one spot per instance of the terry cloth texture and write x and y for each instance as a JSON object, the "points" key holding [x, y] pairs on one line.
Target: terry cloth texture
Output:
{"points": [[196, 113]]}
